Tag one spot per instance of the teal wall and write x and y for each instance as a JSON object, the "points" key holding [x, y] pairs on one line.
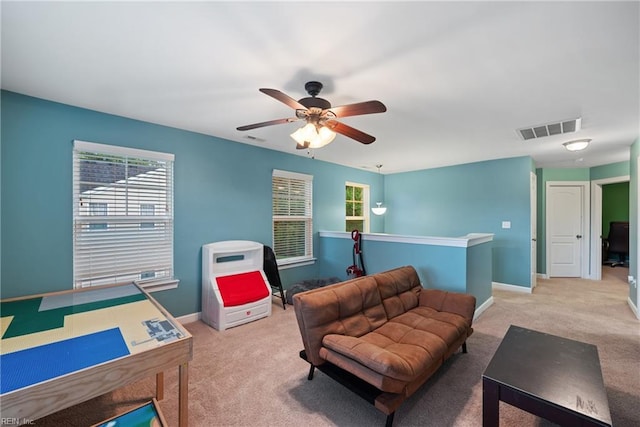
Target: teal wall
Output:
{"points": [[471, 198], [455, 269], [633, 219], [479, 272], [434, 264], [222, 191], [576, 174], [609, 171]]}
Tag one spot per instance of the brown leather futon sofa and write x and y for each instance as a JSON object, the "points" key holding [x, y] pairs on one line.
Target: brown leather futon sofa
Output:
{"points": [[382, 335]]}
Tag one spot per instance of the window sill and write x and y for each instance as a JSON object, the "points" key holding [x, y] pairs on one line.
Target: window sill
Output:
{"points": [[284, 265], [158, 285]]}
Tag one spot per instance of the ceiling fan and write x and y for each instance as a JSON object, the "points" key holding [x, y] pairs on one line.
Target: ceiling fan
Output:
{"points": [[321, 117]]}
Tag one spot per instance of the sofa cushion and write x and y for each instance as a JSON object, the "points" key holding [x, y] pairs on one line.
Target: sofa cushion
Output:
{"points": [[349, 308], [394, 349], [399, 290], [448, 327], [450, 302]]}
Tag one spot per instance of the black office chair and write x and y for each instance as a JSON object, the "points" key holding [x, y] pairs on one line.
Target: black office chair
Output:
{"points": [[270, 268], [617, 243]]}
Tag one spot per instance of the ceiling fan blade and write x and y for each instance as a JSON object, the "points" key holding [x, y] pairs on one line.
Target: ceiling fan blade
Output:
{"points": [[284, 98], [350, 132], [269, 123], [368, 107]]}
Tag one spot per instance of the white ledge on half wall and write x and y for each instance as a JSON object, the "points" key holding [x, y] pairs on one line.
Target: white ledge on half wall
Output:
{"points": [[469, 240]]}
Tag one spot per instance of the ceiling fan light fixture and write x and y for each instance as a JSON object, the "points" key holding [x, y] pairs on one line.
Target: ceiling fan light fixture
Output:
{"points": [[577, 145], [322, 126], [313, 137]]}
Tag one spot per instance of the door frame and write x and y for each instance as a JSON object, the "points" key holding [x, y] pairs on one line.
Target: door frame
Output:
{"points": [[534, 228], [596, 222], [586, 235]]}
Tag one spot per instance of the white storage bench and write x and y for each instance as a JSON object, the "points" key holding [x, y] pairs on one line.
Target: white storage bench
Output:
{"points": [[235, 289]]}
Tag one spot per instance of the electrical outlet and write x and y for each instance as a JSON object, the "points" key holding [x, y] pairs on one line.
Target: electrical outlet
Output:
{"points": [[631, 280]]}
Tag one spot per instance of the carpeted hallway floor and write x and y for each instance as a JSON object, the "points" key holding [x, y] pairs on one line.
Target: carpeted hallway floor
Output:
{"points": [[251, 375]]}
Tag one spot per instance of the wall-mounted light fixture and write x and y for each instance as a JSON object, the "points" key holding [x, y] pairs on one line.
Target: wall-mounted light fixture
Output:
{"points": [[379, 209], [577, 145]]}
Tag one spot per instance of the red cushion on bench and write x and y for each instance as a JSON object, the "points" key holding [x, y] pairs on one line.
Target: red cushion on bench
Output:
{"points": [[243, 288]]}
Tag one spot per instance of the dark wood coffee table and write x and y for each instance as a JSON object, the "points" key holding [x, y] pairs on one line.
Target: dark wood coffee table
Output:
{"points": [[552, 377]]}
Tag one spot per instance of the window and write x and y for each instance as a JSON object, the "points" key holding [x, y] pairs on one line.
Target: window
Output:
{"points": [[292, 195], [147, 209], [122, 216], [98, 209], [356, 207]]}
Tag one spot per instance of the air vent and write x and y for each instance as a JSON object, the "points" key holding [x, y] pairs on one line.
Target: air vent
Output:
{"points": [[255, 138], [556, 128]]}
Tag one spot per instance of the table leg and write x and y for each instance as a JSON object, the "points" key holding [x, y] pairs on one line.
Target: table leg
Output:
{"points": [[183, 395], [490, 403], [160, 386]]}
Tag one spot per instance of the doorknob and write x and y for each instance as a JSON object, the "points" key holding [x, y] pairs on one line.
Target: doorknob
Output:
{"points": [[579, 236]]}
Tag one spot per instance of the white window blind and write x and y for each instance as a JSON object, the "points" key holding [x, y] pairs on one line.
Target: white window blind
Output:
{"points": [[122, 215], [292, 216]]}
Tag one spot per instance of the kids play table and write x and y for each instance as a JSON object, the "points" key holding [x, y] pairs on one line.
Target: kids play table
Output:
{"points": [[61, 349]]}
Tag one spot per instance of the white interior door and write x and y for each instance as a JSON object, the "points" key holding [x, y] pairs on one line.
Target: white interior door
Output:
{"points": [[565, 225]]}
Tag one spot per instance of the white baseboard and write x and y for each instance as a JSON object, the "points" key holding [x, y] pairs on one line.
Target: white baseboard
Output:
{"points": [[482, 308], [633, 308], [542, 276], [189, 318], [511, 288]]}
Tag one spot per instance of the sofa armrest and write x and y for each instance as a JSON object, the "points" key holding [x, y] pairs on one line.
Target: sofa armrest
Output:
{"points": [[451, 302], [349, 308]]}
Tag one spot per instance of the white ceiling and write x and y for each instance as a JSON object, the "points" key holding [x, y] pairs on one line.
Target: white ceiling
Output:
{"points": [[458, 78]]}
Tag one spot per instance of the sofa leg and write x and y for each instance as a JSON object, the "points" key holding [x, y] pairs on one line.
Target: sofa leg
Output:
{"points": [[464, 347], [389, 422], [311, 370]]}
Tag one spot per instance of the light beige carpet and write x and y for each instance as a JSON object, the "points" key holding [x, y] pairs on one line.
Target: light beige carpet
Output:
{"points": [[252, 375]]}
